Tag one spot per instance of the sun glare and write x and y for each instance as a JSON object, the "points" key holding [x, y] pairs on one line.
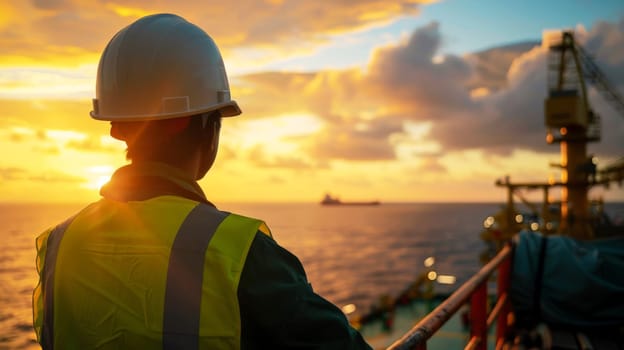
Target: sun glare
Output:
{"points": [[99, 175]]}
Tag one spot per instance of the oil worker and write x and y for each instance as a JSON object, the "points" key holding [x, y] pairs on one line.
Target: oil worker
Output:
{"points": [[153, 264]]}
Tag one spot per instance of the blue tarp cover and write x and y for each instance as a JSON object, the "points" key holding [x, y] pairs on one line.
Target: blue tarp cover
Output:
{"points": [[582, 282]]}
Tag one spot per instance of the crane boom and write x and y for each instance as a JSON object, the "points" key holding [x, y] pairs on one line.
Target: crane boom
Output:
{"points": [[594, 75]]}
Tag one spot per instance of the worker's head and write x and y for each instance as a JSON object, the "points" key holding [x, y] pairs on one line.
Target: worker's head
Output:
{"points": [[162, 84], [175, 141]]}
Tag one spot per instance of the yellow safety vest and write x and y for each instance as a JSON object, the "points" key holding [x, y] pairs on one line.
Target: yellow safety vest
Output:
{"points": [[159, 273]]}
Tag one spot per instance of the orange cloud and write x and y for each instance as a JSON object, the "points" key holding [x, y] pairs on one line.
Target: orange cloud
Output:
{"points": [[12, 173], [268, 94], [73, 32], [21, 174], [259, 157], [363, 141]]}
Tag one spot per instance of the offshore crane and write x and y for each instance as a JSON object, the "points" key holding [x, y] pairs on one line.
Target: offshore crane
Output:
{"points": [[572, 123]]}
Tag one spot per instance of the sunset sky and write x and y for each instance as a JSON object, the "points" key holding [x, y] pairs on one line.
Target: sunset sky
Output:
{"points": [[400, 101]]}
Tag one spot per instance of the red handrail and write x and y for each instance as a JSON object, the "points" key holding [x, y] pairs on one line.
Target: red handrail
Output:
{"points": [[475, 289]]}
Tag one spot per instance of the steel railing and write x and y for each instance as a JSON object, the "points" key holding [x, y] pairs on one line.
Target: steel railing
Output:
{"points": [[474, 289]]}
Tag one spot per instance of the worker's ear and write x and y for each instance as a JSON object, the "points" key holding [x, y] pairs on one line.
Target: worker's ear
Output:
{"points": [[210, 146], [215, 130]]}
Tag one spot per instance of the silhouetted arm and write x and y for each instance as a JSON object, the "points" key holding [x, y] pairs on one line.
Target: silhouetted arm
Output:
{"points": [[279, 309]]}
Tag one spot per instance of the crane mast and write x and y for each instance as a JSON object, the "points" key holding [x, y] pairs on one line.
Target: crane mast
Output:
{"points": [[572, 123]]}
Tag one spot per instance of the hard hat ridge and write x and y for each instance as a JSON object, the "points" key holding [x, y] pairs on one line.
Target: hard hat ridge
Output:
{"points": [[161, 67]]}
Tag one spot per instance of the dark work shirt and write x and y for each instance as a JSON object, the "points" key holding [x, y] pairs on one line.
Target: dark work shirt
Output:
{"points": [[278, 307]]}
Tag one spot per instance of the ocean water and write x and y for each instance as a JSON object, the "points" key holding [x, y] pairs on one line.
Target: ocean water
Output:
{"points": [[352, 254]]}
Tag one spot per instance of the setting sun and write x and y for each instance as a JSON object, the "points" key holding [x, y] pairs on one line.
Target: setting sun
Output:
{"points": [[100, 175]]}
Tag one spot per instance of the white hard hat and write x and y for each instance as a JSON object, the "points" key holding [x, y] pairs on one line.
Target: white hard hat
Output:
{"points": [[161, 67]]}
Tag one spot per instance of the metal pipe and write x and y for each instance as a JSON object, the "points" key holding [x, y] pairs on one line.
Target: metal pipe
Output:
{"points": [[496, 310], [473, 343]]}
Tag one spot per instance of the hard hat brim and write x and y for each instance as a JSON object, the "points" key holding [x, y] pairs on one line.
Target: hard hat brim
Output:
{"points": [[227, 109]]}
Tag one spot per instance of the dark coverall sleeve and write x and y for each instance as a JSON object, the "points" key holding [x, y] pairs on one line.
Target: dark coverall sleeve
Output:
{"points": [[279, 309]]}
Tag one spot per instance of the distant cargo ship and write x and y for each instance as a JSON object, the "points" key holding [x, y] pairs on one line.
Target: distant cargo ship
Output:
{"points": [[329, 200]]}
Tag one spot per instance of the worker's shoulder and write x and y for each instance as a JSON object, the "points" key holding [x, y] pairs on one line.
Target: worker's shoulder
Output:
{"points": [[68, 220], [249, 221]]}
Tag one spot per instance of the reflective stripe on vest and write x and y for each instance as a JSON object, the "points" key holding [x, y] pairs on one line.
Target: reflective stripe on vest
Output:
{"points": [[184, 278], [54, 240]]}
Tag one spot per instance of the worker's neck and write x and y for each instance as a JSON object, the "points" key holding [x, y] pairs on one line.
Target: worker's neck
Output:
{"points": [[187, 169]]}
